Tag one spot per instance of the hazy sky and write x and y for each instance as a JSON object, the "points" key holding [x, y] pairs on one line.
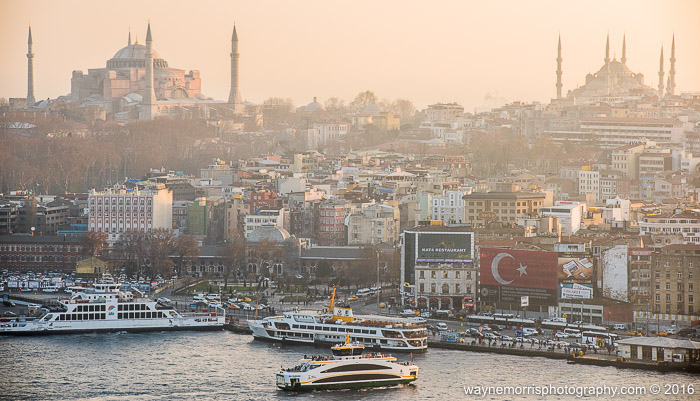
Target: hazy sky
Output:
{"points": [[426, 51]]}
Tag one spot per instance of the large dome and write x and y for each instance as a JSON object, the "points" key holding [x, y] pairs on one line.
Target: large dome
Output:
{"points": [[269, 233], [135, 56]]}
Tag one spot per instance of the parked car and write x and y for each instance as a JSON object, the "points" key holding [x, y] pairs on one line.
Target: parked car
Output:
{"points": [[7, 302], [561, 335], [163, 300], [618, 326], [425, 314], [442, 326], [576, 345], [353, 298], [8, 313], [634, 333], [489, 336], [506, 338]]}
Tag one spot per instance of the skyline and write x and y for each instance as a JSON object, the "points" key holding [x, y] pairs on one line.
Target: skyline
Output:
{"points": [[323, 51]]}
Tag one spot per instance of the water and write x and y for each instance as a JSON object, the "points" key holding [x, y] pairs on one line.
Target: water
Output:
{"points": [[228, 366]]}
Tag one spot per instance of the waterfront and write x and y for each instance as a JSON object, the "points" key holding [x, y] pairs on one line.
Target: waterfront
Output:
{"points": [[223, 365]]}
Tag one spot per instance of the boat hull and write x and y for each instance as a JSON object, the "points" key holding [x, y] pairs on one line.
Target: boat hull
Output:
{"points": [[109, 330], [340, 386]]}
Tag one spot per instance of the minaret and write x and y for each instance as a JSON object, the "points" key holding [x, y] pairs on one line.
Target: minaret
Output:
{"points": [[129, 36], [661, 73], [671, 87], [624, 50], [559, 60], [234, 95], [30, 71], [607, 64], [149, 108]]}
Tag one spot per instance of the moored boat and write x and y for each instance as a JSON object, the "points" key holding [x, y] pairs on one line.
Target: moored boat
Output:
{"points": [[378, 332], [106, 309]]}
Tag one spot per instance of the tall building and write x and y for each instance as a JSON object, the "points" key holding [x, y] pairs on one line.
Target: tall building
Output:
{"points": [[30, 71], [116, 211], [234, 96], [675, 279]]}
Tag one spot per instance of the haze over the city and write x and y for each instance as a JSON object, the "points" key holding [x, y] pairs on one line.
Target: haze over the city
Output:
{"points": [[426, 52]]}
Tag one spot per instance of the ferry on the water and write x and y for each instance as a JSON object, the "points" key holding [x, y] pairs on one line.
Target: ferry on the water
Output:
{"points": [[103, 309], [378, 332], [347, 368]]}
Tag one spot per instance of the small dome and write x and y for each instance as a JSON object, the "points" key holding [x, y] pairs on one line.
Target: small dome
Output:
{"points": [[269, 233], [133, 97], [372, 109], [313, 106]]}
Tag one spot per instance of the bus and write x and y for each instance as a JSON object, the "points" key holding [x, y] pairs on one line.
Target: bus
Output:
{"points": [[599, 338]]}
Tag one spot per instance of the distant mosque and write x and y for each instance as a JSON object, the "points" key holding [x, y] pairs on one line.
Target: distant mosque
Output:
{"points": [[138, 84], [615, 78]]}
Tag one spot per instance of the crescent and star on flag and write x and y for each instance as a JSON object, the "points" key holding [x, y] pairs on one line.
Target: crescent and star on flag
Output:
{"points": [[494, 268]]}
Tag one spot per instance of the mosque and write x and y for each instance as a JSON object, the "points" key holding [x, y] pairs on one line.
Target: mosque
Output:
{"points": [[615, 78], [137, 83]]}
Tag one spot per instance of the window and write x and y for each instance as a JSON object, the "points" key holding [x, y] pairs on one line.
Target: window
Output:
{"points": [[668, 297], [457, 274], [445, 274], [422, 287], [445, 289], [422, 274], [432, 287], [433, 274]]}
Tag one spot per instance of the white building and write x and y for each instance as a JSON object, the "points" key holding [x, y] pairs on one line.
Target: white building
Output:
{"points": [[616, 210], [449, 208], [264, 218], [331, 132], [686, 224], [443, 112], [115, 211], [569, 213], [589, 182]]}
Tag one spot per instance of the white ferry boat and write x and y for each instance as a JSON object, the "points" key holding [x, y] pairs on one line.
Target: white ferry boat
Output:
{"points": [[104, 308], [347, 368], [379, 332]]}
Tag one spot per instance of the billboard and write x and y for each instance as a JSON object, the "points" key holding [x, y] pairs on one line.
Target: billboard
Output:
{"points": [[507, 275], [576, 275], [575, 291], [454, 247]]}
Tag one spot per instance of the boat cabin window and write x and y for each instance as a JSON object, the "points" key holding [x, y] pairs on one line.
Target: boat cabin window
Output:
{"points": [[347, 351]]}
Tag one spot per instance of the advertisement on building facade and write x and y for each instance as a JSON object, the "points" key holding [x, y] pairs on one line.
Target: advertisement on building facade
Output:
{"points": [[507, 275], [576, 275], [450, 247]]}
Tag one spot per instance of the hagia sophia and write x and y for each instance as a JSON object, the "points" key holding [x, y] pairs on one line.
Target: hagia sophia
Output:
{"points": [[137, 83]]}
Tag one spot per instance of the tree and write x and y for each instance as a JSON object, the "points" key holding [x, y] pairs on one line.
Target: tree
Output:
{"points": [[94, 243], [403, 108], [324, 269], [335, 107], [129, 251], [362, 100], [187, 251], [232, 255], [159, 245]]}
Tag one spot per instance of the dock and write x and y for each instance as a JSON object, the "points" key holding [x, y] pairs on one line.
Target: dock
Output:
{"points": [[599, 359]]}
